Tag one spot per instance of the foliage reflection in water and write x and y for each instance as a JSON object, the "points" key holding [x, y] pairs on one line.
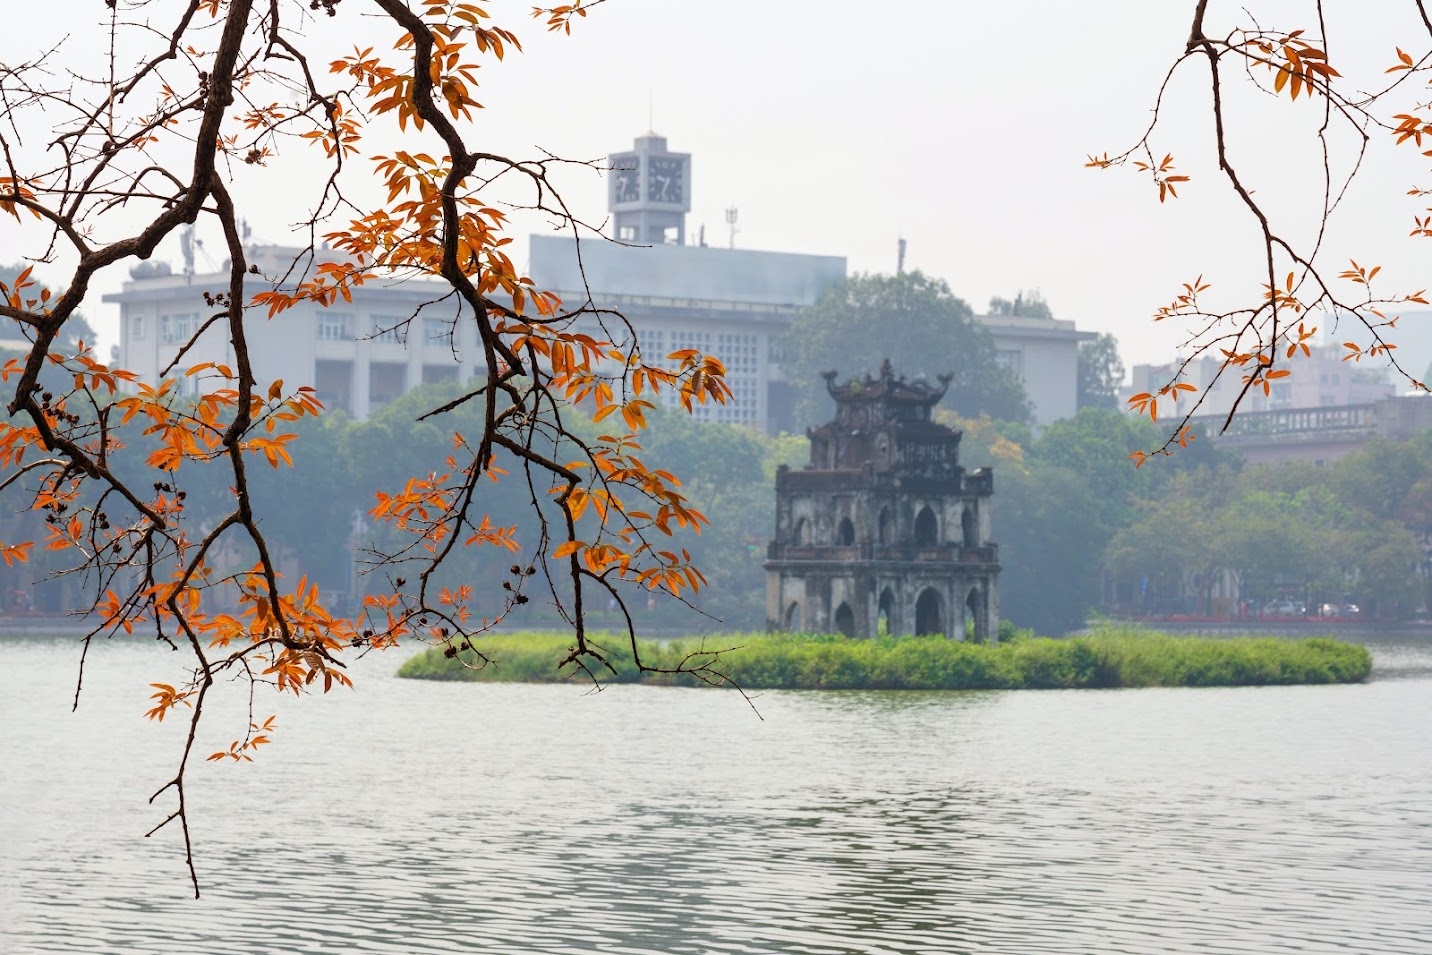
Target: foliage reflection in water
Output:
{"points": [[414, 817]]}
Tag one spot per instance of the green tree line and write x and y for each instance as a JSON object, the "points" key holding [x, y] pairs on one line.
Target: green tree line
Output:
{"points": [[1080, 528]]}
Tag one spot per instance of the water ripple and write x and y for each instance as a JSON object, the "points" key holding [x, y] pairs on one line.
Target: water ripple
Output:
{"points": [[410, 819]]}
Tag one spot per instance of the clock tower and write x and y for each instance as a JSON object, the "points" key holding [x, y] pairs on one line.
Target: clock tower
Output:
{"points": [[649, 193]]}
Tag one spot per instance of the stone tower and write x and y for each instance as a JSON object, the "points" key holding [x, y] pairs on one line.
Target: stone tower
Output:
{"points": [[884, 523]]}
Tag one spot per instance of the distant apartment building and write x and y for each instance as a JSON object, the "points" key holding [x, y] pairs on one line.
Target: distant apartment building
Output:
{"points": [[1322, 380]]}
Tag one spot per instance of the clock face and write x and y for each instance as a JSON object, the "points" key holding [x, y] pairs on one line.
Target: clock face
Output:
{"points": [[665, 181], [626, 182]]}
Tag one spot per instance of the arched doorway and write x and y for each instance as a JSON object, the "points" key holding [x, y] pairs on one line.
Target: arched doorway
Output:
{"points": [[792, 621], [885, 617], [928, 619], [974, 613], [845, 534], [803, 533], [927, 528], [845, 620], [887, 527], [969, 528]]}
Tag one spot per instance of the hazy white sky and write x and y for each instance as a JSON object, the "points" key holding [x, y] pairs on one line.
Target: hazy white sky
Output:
{"points": [[839, 127]]}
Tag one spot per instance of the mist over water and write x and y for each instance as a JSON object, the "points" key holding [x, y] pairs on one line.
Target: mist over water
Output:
{"points": [[411, 817]]}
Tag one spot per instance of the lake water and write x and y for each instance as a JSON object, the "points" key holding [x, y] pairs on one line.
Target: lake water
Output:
{"points": [[409, 818]]}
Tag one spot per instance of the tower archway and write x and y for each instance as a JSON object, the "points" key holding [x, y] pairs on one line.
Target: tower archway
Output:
{"points": [[886, 527], [969, 528], [928, 618], [927, 528], [845, 620], [885, 615], [845, 534]]}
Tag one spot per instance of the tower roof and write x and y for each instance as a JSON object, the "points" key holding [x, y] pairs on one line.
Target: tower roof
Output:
{"points": [[887, 389]]}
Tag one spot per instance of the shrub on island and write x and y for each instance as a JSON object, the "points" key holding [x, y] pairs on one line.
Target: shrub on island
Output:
{"points": [[1112, 657]]}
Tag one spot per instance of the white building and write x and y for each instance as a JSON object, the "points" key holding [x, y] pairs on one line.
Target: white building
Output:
{"points": [[359, 355], [1044, 352], [731, 303]]}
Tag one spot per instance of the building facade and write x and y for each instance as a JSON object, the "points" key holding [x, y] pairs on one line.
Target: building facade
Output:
{"points": [[358, 355], [883, 530], [1044, 352], [1320, 380], [732, 303], [1318, 436]]}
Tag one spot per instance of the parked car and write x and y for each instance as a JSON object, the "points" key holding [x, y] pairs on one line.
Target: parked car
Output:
{"points": [[1281, 608]]}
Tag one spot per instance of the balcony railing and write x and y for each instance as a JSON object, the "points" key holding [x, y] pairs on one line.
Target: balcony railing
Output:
{"points": [[940, 553]]}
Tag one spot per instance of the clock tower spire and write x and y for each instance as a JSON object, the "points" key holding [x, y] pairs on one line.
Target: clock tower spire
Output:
{"points": [[649, 193]]}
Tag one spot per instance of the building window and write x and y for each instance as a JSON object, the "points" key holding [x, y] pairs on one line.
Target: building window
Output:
{"points": [[741, 356], [685, 338], [390, 329], [438, 331], [334, 382], [335, 326], [136, 327], [652, 342], [386, 381], [1012, 359], [432, 374], [174, 329]]}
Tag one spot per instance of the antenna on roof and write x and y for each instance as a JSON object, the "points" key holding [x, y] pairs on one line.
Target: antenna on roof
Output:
{"points": [[900, 258], [731, 215]]}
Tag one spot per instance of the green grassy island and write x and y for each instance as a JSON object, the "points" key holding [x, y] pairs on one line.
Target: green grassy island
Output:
{"points": [[1110, 657]]}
